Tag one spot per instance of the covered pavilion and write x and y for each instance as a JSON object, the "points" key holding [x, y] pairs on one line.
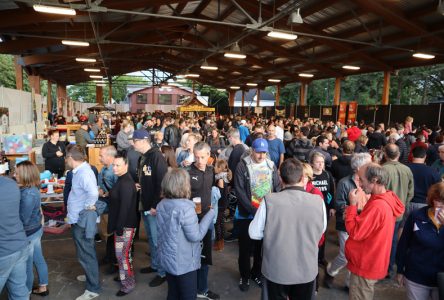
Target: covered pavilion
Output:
{"points": [[275, 41]]}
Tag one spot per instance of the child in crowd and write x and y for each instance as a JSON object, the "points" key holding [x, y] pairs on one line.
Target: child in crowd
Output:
{"points": [[223, 177]]}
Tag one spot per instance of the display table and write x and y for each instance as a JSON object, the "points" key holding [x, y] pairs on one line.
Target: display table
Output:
{"points": [[13, 157], [70, 130]]}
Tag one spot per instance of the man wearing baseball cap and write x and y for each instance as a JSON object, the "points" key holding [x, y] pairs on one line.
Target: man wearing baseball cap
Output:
{"points": [[255, 176], [150, 172]]}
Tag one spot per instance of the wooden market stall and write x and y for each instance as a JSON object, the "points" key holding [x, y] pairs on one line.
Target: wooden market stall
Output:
{"points": [[194, 105]]}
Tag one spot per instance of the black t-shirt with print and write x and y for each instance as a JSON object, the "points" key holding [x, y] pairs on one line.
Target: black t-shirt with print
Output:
{"points": [[325, 183]]}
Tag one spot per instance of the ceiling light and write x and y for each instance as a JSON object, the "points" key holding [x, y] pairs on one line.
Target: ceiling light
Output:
{"points": [[423, 55], [306, 75], [91, 70], [348, 67], [192, 75], [181, 80], [274, 80], [440, 8], [221, 90], [75, 43], [234, 87], [282, 35], [54, 10], [206, 66], [96, 76], [99, 81], [251, 84], [84, 59], [295, 17], [235, 52], [100, 84]]}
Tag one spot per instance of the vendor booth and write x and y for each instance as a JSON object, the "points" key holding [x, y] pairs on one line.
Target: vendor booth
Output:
{"points": [[194, 105]]}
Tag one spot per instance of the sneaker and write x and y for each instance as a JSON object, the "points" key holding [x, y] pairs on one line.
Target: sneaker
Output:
{"points": [[147, 270], [208, 295], [157, 281], [98, 238], [257, 280], [81, 278], [328, 281], [244, 284], [87, 295], [230, 239]]}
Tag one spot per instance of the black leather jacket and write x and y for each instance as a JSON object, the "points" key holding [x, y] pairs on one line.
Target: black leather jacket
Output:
{"points": [[172, 136]]}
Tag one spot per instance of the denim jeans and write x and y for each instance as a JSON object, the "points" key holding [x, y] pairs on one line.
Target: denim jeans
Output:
{"points": [[86, 254], [394, 246], [40, 263], [202, 279], [13, 274], [150, 224]]}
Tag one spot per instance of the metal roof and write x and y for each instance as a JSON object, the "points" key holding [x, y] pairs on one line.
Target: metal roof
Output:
{"points": [[176, 36]]}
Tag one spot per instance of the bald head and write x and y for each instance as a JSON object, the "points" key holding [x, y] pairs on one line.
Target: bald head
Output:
{"points": [[391, 152]]}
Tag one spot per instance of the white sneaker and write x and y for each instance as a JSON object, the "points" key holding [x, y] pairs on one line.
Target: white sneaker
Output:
{"points": [[81, 278], [87, 295]]}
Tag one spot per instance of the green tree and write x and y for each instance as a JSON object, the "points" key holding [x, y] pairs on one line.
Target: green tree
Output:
{"points": [[86, 92]]}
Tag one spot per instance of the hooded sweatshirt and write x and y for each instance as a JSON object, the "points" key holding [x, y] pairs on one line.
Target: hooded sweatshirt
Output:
{"points": [[370, 235]]}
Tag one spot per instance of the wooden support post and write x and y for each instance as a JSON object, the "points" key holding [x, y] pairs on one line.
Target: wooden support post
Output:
{"points": [[99, 95], [258, 100], [49, 97], [231, 98], [34, 82], [337, 96], [243, 101], [61, 98], [110, 93], [386, 88], [18, 74], [278, 94], [303, 94]]}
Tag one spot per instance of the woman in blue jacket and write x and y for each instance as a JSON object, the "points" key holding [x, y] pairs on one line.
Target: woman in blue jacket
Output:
{"points": [[420, 253], [28, 179], [179, 246]]}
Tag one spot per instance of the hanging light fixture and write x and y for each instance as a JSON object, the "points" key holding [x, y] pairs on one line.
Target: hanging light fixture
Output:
{"points": [[100, 84], [440, 8], [274, 80], [221, 90], [282, 35], [307, 75], [295, 17], [192, 75], [251, 84], [96, 76], [206, 66], [54, 10], [423, 55], [99, 81], [85, 59], [235, 52], [75, 43], [92, 70], [234, 87], [349, 67]]}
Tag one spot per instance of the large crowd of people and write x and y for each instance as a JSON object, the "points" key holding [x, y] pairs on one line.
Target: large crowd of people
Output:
{"points": [[278, 181]]}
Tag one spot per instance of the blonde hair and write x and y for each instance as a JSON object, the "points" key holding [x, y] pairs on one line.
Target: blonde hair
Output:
{"points": [[307, 171], [409, 119], [28, 174], [220, 166]]}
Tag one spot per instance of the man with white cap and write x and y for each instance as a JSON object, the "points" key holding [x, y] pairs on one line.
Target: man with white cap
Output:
{"points": [[255, 177]]}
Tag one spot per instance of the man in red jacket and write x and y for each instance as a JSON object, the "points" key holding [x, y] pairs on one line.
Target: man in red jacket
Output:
{"points": [[370, 233]]}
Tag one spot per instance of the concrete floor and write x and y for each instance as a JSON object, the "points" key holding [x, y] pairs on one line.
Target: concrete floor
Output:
{"points": [[223, 279]]}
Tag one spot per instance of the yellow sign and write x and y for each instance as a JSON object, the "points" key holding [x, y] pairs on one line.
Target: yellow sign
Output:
{"points": [[196, 108]]}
